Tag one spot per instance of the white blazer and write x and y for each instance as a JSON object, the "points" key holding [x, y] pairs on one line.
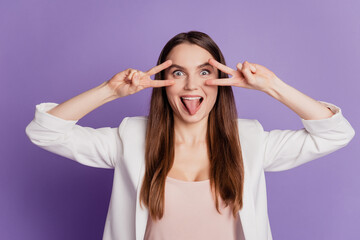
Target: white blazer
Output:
{"points": [[123, 149]]}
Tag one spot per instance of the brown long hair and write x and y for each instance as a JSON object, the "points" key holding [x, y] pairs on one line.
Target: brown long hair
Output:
{"points": [[223, 143]]}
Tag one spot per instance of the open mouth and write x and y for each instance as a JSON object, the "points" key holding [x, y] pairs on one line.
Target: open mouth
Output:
{"points": [[191, 104]]}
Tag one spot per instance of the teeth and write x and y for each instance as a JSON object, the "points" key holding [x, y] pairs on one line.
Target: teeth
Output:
{"points": [[191, 98]]}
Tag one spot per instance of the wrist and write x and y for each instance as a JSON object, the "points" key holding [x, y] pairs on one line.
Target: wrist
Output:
{"points": [[277, 88], [107, 92]]}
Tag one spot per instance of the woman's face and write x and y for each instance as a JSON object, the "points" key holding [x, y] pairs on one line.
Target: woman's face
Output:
{"points": [[190, 99]]}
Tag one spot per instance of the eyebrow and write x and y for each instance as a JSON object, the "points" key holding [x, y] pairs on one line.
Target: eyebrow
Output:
{"points": [[206, 64]]}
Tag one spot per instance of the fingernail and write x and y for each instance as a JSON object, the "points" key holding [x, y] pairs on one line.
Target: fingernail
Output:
{"points": [[253, 68]]}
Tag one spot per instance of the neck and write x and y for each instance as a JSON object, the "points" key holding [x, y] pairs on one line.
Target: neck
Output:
{"points": [[190, 133]]}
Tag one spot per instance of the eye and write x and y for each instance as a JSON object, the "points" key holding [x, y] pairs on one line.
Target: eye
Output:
{"points": [[205, 71], [174, 72]]}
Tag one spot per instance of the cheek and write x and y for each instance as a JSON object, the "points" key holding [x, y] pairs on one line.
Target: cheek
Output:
{"points": [[213, 96], [212, 91], [172, 94], [171, 90]]}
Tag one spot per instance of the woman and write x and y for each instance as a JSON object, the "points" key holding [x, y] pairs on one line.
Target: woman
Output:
{"points": [[195, 166]]}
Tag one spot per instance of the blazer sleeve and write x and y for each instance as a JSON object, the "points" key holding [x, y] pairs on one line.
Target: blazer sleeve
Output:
{"points": [[286, 149], [94, 147]]}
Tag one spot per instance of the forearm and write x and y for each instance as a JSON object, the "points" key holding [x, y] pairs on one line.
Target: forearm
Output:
{"points": [[80, 105], [303, 105]]}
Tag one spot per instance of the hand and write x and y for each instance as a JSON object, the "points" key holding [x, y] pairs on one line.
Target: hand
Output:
{"points": [[131, 80], [247, 75]]}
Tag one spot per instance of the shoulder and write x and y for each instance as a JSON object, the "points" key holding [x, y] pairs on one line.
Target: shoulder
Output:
{"points": [[244, 122], [246, 125], [136, 120], [133, 126], [249, 129]]}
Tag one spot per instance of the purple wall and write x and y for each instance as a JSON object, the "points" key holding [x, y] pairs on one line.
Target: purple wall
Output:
{"points": [[51, 51]]}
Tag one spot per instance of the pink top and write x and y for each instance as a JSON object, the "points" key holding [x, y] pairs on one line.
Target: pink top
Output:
{"points": [[190, 213]]}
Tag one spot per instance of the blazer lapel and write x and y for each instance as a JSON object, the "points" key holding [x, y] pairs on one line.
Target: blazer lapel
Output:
{"points": [[247, 213], [141, 215]]}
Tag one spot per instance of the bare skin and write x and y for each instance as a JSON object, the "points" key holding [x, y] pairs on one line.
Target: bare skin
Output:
{"points": [[191, 162], [120, 85], [258, 77], [132, 81]]}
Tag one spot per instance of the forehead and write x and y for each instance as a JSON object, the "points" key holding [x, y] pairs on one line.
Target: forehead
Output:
{"points": [[188, 55]]}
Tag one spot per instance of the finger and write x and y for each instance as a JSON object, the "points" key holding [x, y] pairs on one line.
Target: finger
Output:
{"points": [[160, 83], [239, 66], [252, 67], [135, 79], [222, 67], [221, 82], [159, 67], [246, 71], [130, 73]]}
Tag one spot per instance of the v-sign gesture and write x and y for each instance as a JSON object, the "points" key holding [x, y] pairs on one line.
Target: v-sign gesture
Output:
{"points": [[131, 80], [247, 75]]}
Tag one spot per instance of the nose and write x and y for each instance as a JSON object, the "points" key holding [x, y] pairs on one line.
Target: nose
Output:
{"points": [[191, 83]]}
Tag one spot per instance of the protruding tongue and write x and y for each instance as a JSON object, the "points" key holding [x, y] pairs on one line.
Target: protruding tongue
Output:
{"points": [[192, 105]]}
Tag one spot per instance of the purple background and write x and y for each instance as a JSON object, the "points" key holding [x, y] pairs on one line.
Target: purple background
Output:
{"points": [[51, 51]]}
